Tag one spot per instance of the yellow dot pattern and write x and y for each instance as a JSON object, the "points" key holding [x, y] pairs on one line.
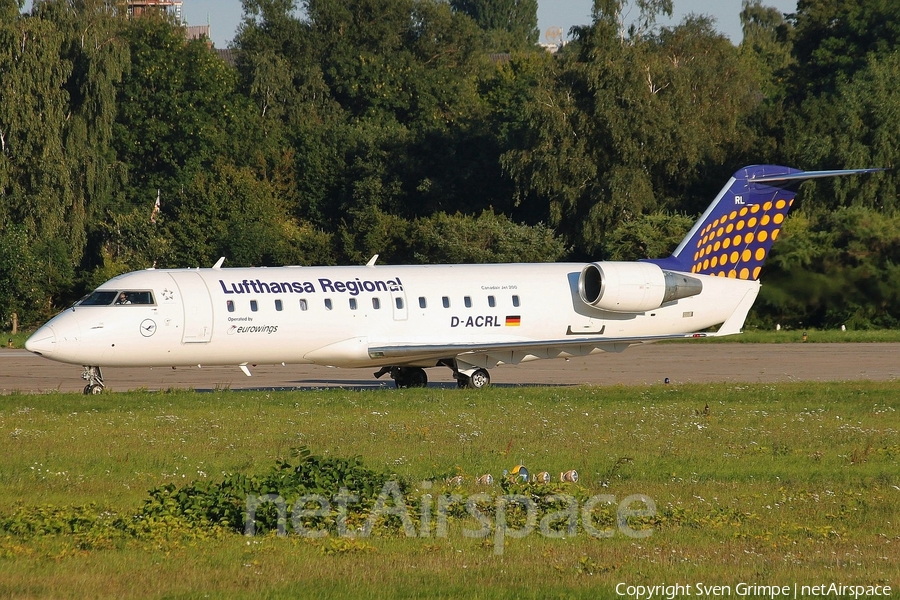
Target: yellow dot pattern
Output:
{"points": [[740, 238]]}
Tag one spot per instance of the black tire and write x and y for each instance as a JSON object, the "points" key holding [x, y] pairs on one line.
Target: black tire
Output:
{"points": [[410, 377], [479, 379], [416, 378]]}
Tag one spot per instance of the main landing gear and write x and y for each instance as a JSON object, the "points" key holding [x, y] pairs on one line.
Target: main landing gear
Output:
{"points": [[413, 377], [95, 380], [405, 377]]}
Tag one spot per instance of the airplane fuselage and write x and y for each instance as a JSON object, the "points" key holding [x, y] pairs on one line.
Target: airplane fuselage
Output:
{"points": [[341, 316]]}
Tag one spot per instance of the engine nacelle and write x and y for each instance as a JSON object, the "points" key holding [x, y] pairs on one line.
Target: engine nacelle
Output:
{"points": [[633, 286]]}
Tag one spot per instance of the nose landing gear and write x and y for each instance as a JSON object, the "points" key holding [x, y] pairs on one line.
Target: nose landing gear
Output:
{"points": [[95, 380]]}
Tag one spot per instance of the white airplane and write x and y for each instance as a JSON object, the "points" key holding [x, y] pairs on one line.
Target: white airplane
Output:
{"points": [[403, 319]]}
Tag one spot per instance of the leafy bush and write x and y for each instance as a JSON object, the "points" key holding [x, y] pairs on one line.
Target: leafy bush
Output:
{"points": [[224, 503]]}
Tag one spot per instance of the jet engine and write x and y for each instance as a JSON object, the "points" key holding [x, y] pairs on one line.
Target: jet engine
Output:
{"points": [[633, 286]]}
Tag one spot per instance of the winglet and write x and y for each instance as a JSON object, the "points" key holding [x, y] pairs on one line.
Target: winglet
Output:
{"points": [[734, 235]]}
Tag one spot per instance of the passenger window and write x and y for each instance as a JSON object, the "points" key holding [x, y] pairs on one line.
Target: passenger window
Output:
{"points": [[515, 300], [254, 306], [398, 302], [376, 303], [230, 305], [352, 303], [328, 303], [303, 305], [446, 301], [491, 302], [467, 300], [422, 303], [278, 305]]}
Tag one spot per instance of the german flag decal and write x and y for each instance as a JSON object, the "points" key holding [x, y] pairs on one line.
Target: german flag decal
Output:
{"points": [[513, 321]]}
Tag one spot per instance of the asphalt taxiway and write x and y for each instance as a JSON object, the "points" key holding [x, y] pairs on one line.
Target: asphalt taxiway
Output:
{"points": [[21, 371]]}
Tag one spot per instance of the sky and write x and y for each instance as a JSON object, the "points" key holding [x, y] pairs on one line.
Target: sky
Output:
{"points": [[224, 16]]}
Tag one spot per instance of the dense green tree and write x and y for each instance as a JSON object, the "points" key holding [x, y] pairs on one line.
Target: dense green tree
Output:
{"points": [[486, 238], [452, 239], [295, 116], [840, 268], [767, 39], [218, 161], [632, 124], [175, 108], [59, 67], [9, 10], [511, 24], [36, 184], [654, 235], [855, 127], [767, 48], [409, 139], [22, 282], [229, 211], [833, 39]]}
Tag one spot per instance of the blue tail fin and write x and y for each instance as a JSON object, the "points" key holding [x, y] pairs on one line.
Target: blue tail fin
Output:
{"points": [[734, 236]]}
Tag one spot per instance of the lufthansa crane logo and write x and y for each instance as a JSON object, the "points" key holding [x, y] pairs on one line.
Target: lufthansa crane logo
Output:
{"points": [[148, 327]]}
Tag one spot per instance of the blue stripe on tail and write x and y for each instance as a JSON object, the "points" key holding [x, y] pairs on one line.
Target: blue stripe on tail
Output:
{"points": [[734, 236]]}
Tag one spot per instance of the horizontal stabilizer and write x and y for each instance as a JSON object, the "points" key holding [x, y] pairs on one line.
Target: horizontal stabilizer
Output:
{"points": [[804, 175]]}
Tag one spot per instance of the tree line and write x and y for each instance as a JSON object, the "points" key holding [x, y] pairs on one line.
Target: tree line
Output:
{"points": [[437, 131]]}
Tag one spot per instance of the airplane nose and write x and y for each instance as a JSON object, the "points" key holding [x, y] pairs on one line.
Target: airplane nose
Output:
{"points": [[42, 341]]}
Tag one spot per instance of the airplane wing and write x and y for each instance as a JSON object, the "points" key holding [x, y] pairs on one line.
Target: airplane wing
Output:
{"points": [[514, 352]]}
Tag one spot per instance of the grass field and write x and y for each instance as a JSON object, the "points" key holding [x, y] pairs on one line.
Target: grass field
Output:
{"points": [[771, 485]]}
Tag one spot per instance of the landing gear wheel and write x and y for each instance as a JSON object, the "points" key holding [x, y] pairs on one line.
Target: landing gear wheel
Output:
{"points": [[479, 379], [409, 377], [95, 380], [417, 378]]}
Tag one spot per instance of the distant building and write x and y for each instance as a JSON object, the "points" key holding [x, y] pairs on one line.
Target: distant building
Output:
{"points": [[138, 7], [196, 32], [228, 56]]}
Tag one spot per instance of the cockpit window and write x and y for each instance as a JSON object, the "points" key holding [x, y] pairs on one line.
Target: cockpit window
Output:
{"points": [[140, 297], [99, 298], [105, 298]]}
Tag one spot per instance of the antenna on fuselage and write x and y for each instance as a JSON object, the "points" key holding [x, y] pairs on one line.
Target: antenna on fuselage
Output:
{"points": [[372, 260], [219, 262]]}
